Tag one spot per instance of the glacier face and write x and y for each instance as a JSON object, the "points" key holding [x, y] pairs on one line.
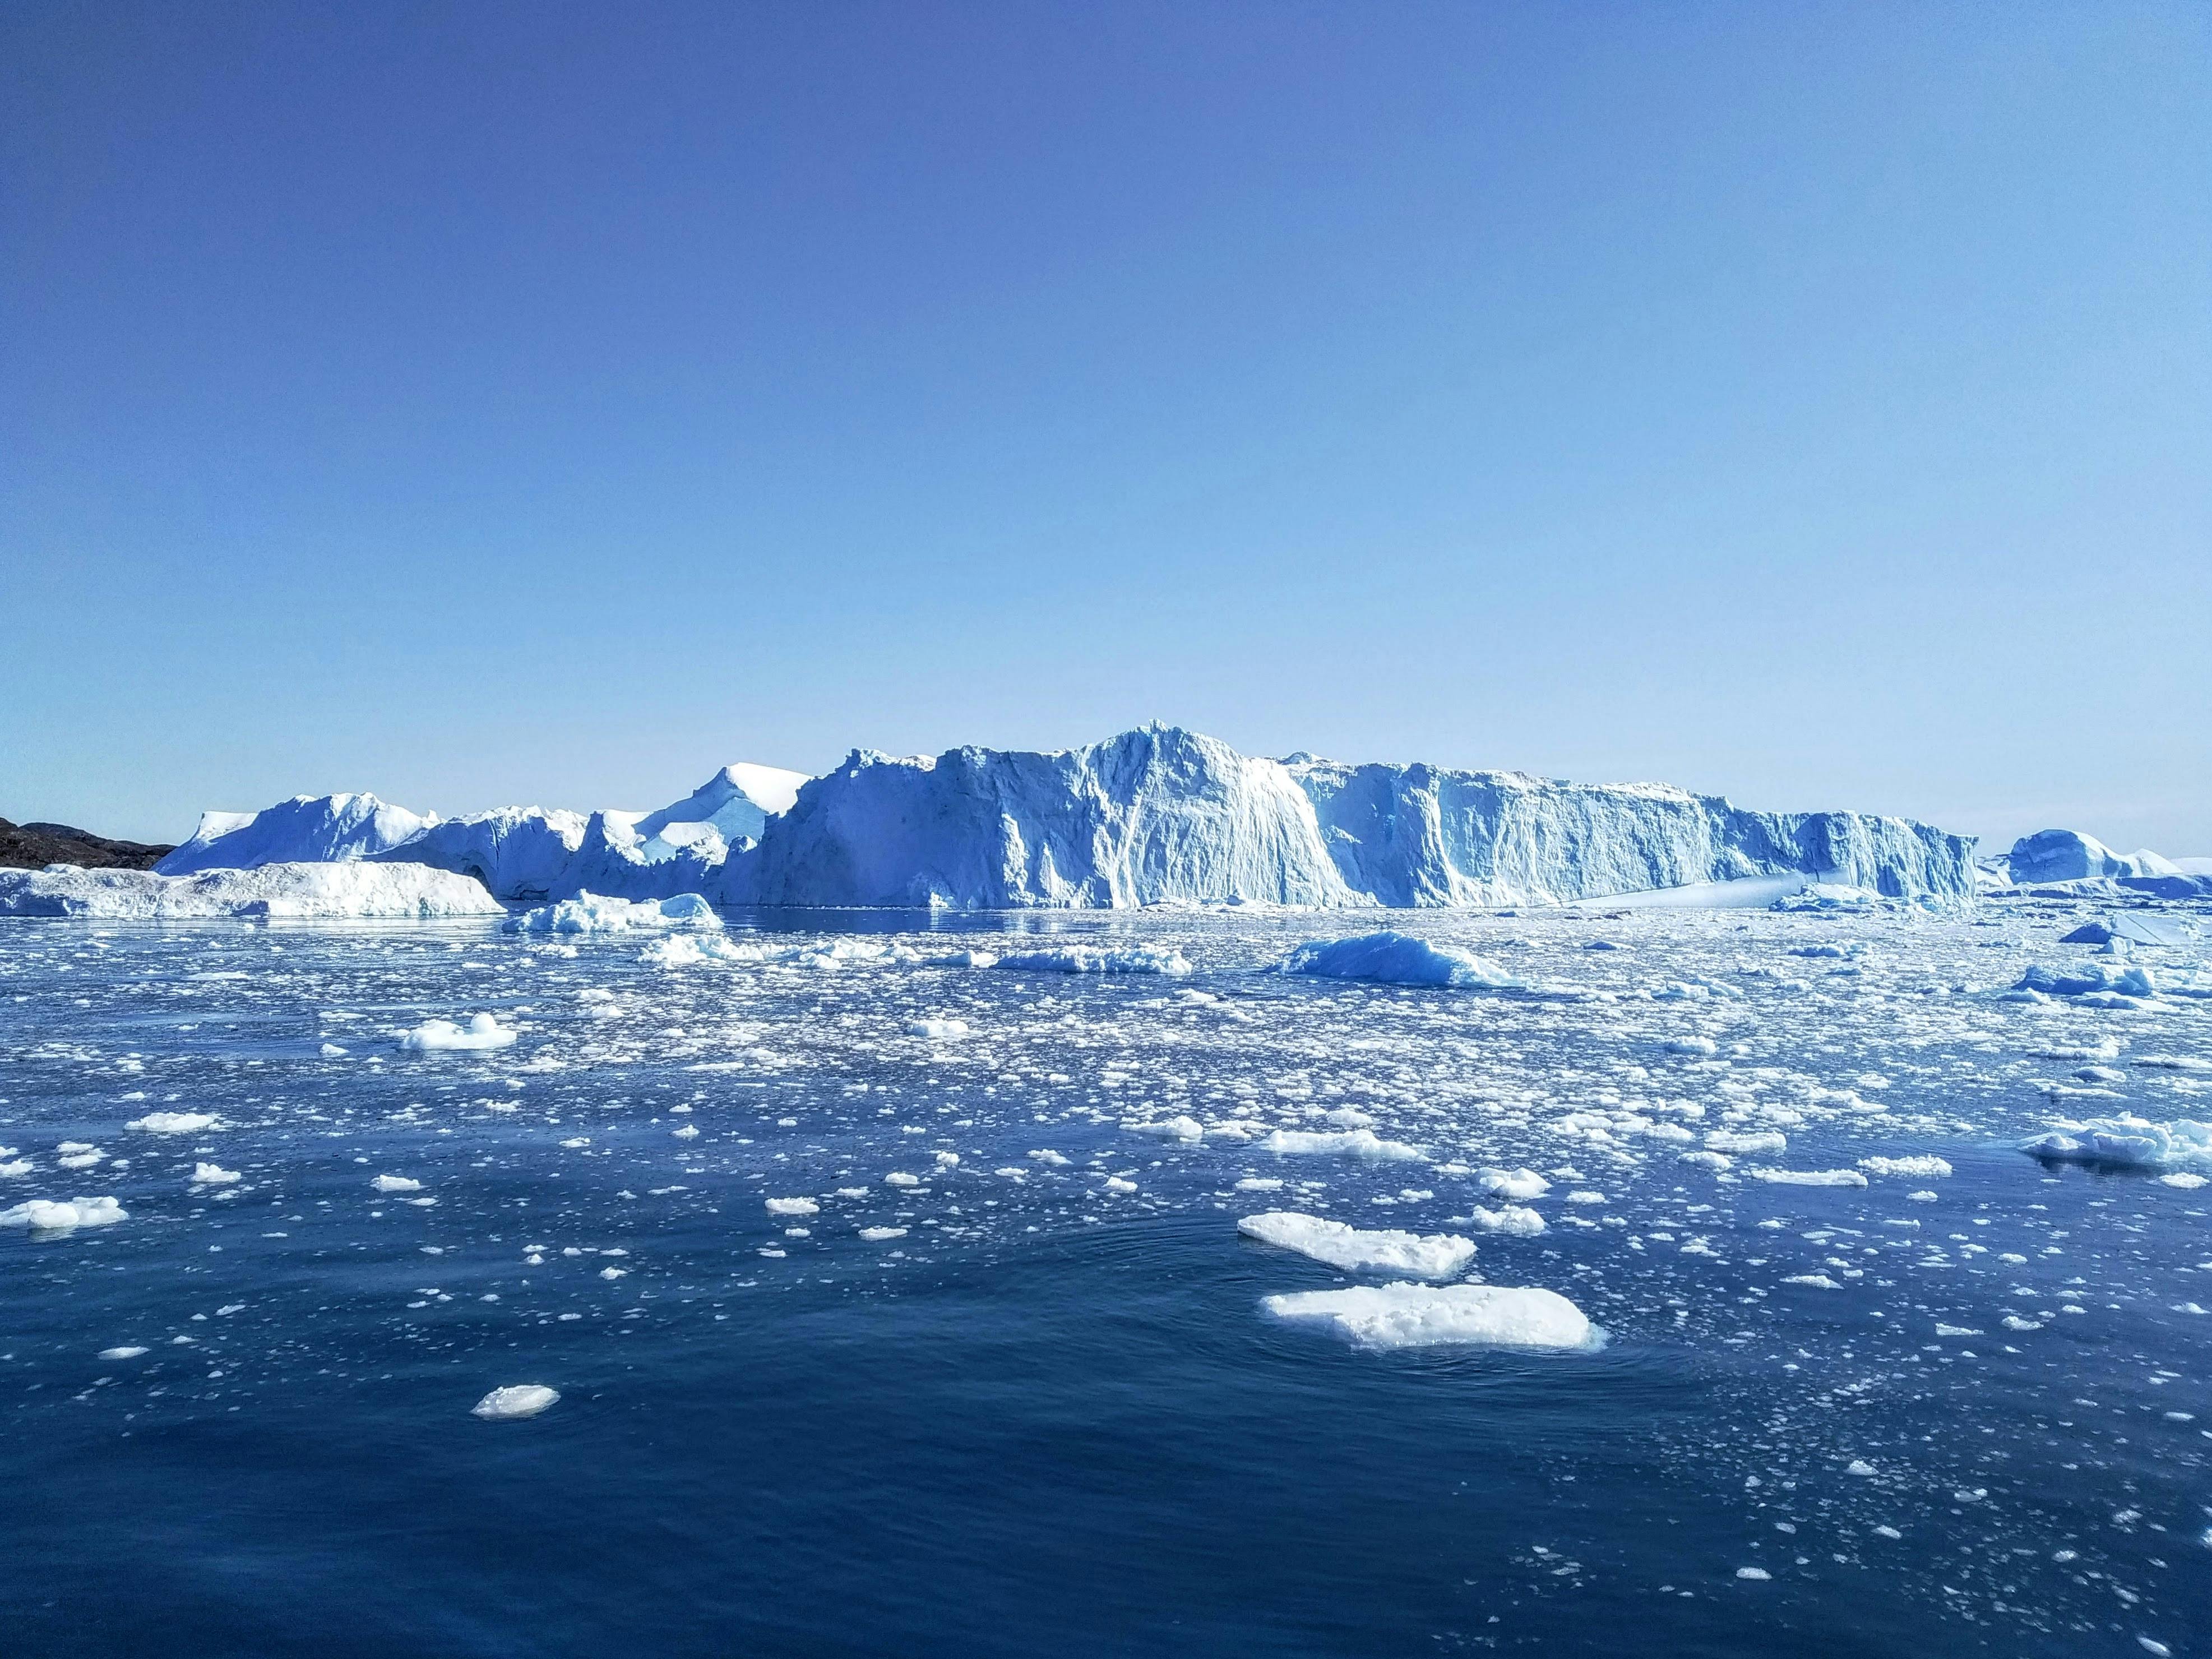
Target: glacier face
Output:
{"points": [[1156, 815], [1422, 836]]}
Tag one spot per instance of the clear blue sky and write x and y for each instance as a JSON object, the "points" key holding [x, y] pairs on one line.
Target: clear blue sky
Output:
{"points": [[488, 404]]}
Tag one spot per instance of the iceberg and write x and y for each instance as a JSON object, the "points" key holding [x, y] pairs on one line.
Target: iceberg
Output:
{"points": [[2070, 855], [319, 892], [305, 830], [2130, 1142], [1158, 816], [1390, 958]]}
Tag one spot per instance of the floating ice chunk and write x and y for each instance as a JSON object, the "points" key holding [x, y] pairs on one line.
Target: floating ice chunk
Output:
{"points": [[392, 1184], [1861, 1468], [1173, 1128], [2133, 1142], [1692, 1045], [172, 1123], [214, 1174], [436, 1036], [1046, 1154], [1754, 1575], [1091, 959], [2173, 1063], [13, 1167], [1356, 1143], [331, 1051], [1392, 959], [1260, 1184], [121, 1353], [1809, 1177], [593, 912], [1761, 1140], [515, 1401], [1514, 1220], [1716, 1161], [1120, 1184], [1521, 1184], [901, 1178], [1919, 1166], [54, 1216], [878, 1235], [2104, 1048], [936, 1029], [2107, 975], [1818, 1281], [793, 1207], [1408, 1316], [1437, 1256], [2187, 1183]]}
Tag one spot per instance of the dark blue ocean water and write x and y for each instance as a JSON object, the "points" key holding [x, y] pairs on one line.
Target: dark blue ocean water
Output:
{"points": [[1051, 1416]]}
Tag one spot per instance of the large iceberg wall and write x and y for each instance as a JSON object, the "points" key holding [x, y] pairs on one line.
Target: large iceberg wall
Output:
{"points": [[1158, 815], [1427, 836]]}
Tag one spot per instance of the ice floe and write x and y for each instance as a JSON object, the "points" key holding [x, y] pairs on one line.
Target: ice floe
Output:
{"points": [[1408, 1316], [1393, 958], [57, 1215], [517, 1400], [1437, 1256], [482, 1031]]}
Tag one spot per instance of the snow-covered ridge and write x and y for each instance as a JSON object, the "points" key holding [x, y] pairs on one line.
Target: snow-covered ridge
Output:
{"points": [[1154, 816]]}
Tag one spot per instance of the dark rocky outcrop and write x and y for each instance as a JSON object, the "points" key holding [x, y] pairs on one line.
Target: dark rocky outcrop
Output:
{"points": [[35, 845]]}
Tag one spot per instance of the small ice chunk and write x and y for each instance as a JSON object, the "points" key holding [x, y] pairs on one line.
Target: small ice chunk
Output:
{"points": [[880, 1235], [793, 1207], [1408, 1316], [1514, 1220], [392, 1184], [1357, 1143], [172, 1123], [213, 1175], [1809, 1177], [439, 1036], [1438, 1255], [1173, 1128], [936, 1029], [1918, 1167], [1392, 959], [1520, 1185], [517, 1400], [53, 1216], [121, 1353]]}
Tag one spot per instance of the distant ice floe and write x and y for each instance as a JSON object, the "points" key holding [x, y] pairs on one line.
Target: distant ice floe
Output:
{"points": [[392, 1184], [792, 1206], [1920, 1167], [172, 1123], [516, 1401], [1437, 1256], [55, 1216], [1392, 959], [1523, 1184], [937, 1030], [2130, 1142], [1408, 1316], [1808, 1177], [307, 893], [1090, 959], [594, 913], [214, 1174], [1354, 1143], [1514, 1220], [438, 1035]]}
